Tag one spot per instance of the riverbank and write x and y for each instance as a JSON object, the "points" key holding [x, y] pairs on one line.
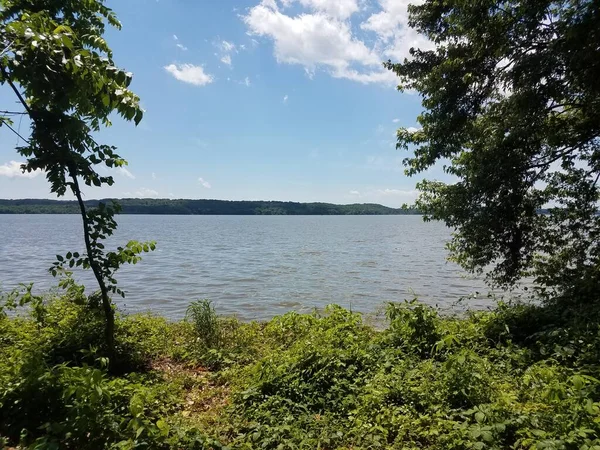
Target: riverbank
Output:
{"points": [[517, 377]]}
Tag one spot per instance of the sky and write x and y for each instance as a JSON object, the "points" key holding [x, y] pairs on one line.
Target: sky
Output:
{"points": [[254, 100]]}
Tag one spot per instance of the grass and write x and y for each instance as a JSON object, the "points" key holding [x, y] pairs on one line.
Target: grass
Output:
{"points": [[522, 377]]}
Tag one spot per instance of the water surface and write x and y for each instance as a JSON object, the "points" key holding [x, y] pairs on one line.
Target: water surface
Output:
{"points": [[254, 266]]}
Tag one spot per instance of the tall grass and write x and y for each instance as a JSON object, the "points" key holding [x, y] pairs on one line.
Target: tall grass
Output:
{"points": [[202, 315]]}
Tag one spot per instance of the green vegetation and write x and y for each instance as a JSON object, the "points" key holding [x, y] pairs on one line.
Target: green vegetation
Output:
{"points": [[511, 105], [61, 71], [522, 377], [207, 207], [511, 100]]}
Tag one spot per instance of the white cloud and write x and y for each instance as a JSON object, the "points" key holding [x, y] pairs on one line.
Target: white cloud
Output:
{"points": [[386, 196], [142, 193], [178, 44], [246, 82], [397, 192], [188, 73], [126, 173], [204, 183], [316, 41], [413, 129], [154, 176], [341, 9], [285, 98], [226, 49], [12, 169], [396, 120], [330, 35], [226, 60], [391, 28], [227, 46]]}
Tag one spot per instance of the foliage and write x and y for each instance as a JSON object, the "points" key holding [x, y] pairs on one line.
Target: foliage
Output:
{"points": [[511, 106], [200, 207], [57, 43], [520, 376]]}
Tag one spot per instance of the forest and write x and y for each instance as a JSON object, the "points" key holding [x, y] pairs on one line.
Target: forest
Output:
{"points": [[200, 207]]}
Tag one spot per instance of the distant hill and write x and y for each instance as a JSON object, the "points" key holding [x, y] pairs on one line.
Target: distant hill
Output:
{"points": [[200, 207]]}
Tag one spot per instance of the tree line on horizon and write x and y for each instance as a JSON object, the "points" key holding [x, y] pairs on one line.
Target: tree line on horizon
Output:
{"points": [[202, 207]]}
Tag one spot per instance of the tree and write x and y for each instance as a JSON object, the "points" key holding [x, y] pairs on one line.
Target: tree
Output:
{"points": [[511, 97], [56, 62]]}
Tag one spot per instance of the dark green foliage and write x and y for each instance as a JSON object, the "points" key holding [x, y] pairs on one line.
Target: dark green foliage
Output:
{"points": [[511, 99], [200, 207]]}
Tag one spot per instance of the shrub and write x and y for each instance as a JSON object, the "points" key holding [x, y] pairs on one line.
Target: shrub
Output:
{"points": [[413, 327]]}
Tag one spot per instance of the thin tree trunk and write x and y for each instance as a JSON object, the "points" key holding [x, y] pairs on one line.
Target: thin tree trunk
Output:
{"points": [[109, 313]]}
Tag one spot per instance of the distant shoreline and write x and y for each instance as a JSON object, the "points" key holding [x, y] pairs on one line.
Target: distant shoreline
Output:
{"points": [[202, 207]]}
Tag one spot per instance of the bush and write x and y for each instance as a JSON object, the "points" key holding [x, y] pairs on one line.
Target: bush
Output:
{"points": [[485, 381]]}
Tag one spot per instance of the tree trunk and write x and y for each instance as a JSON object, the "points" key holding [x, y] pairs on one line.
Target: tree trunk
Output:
{"points": [[109, 313]]}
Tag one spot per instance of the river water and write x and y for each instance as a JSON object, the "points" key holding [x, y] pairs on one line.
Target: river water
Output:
{"points": [[255, 267]]}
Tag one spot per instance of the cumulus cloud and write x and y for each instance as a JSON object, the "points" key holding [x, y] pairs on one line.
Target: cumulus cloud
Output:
{"points": [[331, 35], [12, 169], [142, 193], [189, 73], [390, 25], [204, 183], [341, 9], [311, 40]]}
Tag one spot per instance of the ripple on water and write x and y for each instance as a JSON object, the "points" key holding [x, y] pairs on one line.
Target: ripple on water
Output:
{"points": [[254, 267]]}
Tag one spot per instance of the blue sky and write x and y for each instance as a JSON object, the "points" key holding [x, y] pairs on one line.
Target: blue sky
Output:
{"points": [[251, 99]]}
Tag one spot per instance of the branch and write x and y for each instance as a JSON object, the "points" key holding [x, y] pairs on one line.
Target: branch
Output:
{"points": [[13, 130], [554, 159], [19, 96], [6, 48]]}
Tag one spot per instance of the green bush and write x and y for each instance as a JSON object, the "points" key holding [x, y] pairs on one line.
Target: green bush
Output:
{"points": [[521, 376]]}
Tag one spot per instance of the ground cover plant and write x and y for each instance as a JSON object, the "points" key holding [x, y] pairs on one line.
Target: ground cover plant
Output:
{"points": [[519, 376]]}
